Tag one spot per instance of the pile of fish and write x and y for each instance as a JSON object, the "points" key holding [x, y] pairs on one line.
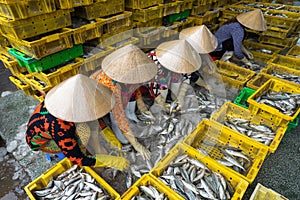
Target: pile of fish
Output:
{"points": [[288, 77], [192, 180], [231, 157], [286, 103], [264, 51], [149, 193], [74, 183], [260, 133]]}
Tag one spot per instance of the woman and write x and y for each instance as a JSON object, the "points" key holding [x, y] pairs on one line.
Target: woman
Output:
{"points": [[58, 123], [204, 42], [177, 58], [231, 35], [124, 71]]}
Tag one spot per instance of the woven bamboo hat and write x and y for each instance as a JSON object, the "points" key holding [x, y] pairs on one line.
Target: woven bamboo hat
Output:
{"points": [[254, 20], [79, 99], [200, 38], [130, 65], [178, 56]]}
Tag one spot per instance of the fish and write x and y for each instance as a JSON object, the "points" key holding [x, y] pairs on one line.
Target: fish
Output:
{"points": [[204, 183], [74, 183]]}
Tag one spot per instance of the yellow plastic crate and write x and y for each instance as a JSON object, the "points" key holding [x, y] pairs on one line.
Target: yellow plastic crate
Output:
{"points": [[257, 81], [45, 45], [234, 111], [200, 9], [186, 5], [146, 14], [149, 36], [21, 85], [58, 169], [216, 133], [147, 180], [61, 74], [207, 17], [88, 32], [23, 9], [294, 51], [3, 41], [281, 22], [171, 8], [202, 2], [139, 4], [108, 41], [267, 111], [263, 193], [116, 23], [100, 9], [228, 70], [132, 40], [189, 22], [67, 4], [11, 63], [256, 46], [287, 42], [151, 23], [34, 26], [286, 61], [276, 32], [94, 62], [240, 185], [278, 69], [36, 84]]}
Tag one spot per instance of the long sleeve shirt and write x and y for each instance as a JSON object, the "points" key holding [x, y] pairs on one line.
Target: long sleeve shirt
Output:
{"points": [[122, 97], [43, 127], [234, 31]]}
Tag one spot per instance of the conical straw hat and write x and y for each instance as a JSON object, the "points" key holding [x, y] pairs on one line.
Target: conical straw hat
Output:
{"points": [[130, 65], [254, 20], [178, 56], [200, 38], [79, 99]]}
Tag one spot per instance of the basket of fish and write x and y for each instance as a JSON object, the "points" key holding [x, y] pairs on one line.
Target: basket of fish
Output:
{"points": [[285, 74], [195, 176], [237, 153], [286, 61], [67, 181], [267, 50], [233, 75], [255, 127], [149, 187], [276, 98]]}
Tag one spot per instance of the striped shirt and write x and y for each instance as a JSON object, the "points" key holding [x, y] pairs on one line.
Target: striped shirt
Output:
{"points": [[236, 32]]}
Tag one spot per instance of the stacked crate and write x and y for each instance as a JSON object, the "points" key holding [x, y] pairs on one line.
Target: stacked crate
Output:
{"points": [[37, 31], [206, 13], [282, 25], [147, 20]]}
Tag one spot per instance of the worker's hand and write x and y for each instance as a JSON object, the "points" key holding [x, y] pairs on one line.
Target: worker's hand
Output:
{"points": [[103, 160], [110, 137], [247, 62], [147, 117], [247, 53], [226, 56], [145, 153]]}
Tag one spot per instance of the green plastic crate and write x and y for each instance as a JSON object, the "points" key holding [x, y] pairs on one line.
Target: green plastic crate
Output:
{"points": [[293, 124], [177, 16], [241, 99], [34, 65]]}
